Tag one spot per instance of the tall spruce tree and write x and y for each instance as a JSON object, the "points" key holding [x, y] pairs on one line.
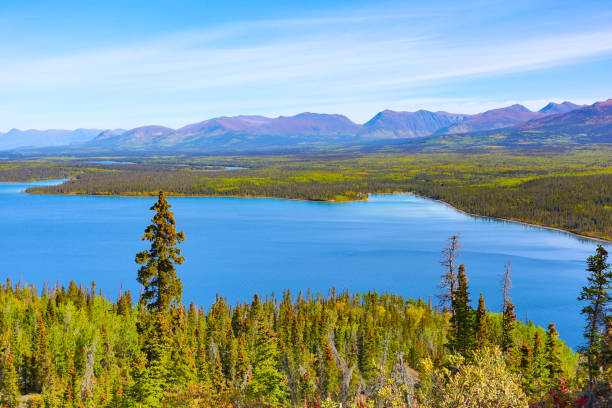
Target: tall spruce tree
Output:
{"points": [[70, 391], [368, 353], [152, 373], [482, 324], [268, 384], [9, 381], [526, 367], [508, 328], [42, 364], [330, 377], [462, 320], [553, 355], [539, 361], [157, 274], [597, 294]]}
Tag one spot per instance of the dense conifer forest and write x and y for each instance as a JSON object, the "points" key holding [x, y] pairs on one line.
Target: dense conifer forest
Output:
{"points": [[74, 347], [570, 190]]}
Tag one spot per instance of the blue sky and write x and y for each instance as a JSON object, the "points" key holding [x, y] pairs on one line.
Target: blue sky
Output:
{"points": [[69, 64]]}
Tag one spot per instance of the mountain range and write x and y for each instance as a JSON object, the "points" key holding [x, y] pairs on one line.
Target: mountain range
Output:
{"points": [[15, 138], [587, 125], [237, 133]]}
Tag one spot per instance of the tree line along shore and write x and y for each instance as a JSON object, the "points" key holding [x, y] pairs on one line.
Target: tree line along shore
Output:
{"points": [[571, 191]]}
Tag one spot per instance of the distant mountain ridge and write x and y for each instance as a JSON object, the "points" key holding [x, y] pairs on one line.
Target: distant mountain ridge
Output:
{"points": [[564, 107], [590, 124], [392, 124], [251, 132], [312, 129], [15, 138]]}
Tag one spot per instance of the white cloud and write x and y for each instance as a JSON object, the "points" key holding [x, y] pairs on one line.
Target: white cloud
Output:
{"points": [[347, 61], [350, 62]]}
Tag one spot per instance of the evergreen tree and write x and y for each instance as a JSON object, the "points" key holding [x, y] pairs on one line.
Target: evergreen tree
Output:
{"points": [[368, 351], [539, 360], [607, 347], [70, 396], [9, 381], [152, 374], [462, 339], [243, 365], [42, 364], [508, 328], [526, 367], [124, 303], [218, 377], [202, 362], [52, 395], [183, 370], [597, 294], [157, 274], [268, 384], [482, 324], [553, 356]]}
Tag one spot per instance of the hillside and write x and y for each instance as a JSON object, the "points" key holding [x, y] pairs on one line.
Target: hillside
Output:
{"points": [[493, 119], [586, 125], [250, 133], [313, 129], [389, 124]]}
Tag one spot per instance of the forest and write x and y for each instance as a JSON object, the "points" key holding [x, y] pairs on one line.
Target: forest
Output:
{"points": [[569, 190], [74, 347]]}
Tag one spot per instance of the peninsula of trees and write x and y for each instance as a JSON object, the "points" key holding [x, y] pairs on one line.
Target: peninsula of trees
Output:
{"points": [[565, 190]]}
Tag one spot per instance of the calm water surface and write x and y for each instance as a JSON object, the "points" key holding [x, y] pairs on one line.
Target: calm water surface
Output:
{"points": [[109, 162], [236, 247]]}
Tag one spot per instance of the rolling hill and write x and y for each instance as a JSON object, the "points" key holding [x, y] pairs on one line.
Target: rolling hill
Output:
{"points": [[312, 129], [587, 125], [252, 133]]}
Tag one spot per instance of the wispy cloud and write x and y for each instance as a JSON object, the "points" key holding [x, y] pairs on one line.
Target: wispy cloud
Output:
{"points": [[328, 61], [349, 60]]}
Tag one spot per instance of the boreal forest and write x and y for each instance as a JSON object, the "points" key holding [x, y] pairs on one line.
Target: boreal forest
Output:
{"points": [[75, 347]]}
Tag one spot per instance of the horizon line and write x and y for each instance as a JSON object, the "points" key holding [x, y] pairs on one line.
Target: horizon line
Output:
{"points": [[125, 129]]}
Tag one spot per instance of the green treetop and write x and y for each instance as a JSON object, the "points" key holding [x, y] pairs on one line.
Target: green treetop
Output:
{"points": [[482, 325], [157, 274], [9, 381], [462, 320], [553, 356], [268, 384], [597, 294]]}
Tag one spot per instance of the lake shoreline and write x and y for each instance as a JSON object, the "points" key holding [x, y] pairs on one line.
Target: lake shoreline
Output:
{"points": [[583, 236], [237, 242], [195, 196], [530, 224]]}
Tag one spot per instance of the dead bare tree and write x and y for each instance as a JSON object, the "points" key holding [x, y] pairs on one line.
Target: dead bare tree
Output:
{"points": [[345, 370], [448, 283], [88, 375], [292, 377], [403, 376], [506, 285]]}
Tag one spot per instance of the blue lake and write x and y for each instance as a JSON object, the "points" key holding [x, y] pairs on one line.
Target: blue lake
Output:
{"points": [[236, 247], [109, 162]]}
